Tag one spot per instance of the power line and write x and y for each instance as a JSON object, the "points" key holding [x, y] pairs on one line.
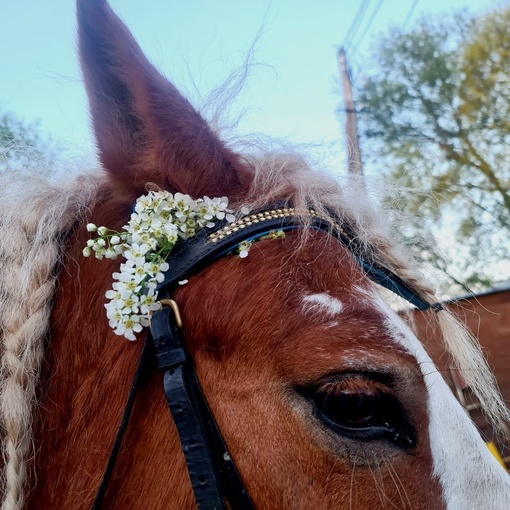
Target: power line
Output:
{"points": [[410, 13], [353, 28], [367, 26]]}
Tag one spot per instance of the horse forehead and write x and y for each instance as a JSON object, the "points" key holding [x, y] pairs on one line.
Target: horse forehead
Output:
{"points": [[349, 325]]}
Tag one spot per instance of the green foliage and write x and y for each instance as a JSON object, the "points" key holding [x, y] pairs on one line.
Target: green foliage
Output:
{"points": [[21, 145], [435, 117]]}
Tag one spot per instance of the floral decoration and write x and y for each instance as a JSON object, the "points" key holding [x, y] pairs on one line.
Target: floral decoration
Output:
{"points": [[159, 221]]}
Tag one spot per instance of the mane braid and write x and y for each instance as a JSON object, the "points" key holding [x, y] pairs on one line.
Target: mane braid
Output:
{"points": [[30, 254]]}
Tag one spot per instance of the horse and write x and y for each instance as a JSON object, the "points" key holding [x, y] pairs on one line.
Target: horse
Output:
{"points": [[322, 394]]}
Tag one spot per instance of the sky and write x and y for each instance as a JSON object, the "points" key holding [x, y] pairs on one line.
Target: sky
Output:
{"points": [[292, 92]]}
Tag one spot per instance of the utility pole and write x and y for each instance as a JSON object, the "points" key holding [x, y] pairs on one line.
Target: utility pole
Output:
{"points": [[354, 165]]}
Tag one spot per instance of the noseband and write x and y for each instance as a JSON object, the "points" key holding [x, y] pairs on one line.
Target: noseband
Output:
{"points": [[213, 474]]}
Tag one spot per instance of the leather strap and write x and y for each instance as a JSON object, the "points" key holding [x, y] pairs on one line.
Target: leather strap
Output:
{"points": [[98, 501], [231, 483], [211, 469], [191, 256]]}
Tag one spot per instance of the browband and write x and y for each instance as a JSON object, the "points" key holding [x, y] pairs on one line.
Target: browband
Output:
{"points": [[191, 256]]}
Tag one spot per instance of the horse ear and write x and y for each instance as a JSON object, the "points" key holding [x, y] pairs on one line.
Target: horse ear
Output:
{"points": [[145, 129]]}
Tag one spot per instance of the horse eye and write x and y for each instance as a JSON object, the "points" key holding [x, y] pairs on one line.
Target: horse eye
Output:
{"points": [[350, 409], [363, 412]]}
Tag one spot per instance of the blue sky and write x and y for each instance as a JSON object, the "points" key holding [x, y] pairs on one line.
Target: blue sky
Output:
{"points": [[292, 94]]}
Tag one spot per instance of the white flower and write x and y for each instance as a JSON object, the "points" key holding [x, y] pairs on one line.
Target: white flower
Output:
{"points": [[115, 317], [158, 222], [128, 327], [244, 248], [112, 294], [110, 253], [148, 304]]}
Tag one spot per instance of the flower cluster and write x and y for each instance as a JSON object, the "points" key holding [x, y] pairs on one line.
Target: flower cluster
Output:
{"points": [[158, 222], [243, 247]]}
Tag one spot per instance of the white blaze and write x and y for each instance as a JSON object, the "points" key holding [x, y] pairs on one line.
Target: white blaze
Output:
{"points": [[469, 474]]}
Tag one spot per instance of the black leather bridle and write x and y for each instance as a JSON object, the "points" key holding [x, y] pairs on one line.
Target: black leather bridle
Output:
{"points": [[212, 471]]}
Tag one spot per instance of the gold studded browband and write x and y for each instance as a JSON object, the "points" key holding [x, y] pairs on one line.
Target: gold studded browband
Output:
{"points": [[262, 217], [191, 256]]}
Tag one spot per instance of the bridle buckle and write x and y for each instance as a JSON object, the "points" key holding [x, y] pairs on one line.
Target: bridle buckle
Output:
{"points": [[175, 308]]}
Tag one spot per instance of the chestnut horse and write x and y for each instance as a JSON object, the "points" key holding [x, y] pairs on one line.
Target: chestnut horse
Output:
{"points": [[306, 370]]}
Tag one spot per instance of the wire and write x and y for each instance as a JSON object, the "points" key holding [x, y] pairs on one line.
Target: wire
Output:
{"points": [[410, 13], [368, 25], [353, 28]]}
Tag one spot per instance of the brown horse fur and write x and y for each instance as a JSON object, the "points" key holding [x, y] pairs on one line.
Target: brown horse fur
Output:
{"points": [[253, 345]]}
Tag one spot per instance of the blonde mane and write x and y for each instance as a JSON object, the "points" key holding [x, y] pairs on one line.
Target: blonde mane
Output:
{"points": [[36, 217]]}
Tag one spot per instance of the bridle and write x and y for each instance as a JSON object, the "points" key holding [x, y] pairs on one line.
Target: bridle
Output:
{"points": [[213, 474]]}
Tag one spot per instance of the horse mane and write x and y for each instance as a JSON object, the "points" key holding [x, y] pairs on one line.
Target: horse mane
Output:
{"points": [[33, 243], [35, 220], [289, 176]]}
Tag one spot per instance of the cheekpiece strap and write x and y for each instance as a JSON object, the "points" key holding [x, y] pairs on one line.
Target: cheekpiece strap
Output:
{"points": [[101, 493], [212, 471], [172, 360]]}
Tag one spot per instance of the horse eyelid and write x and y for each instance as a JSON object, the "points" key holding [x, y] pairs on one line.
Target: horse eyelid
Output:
{"points": [[385, 381], [391, 421]]}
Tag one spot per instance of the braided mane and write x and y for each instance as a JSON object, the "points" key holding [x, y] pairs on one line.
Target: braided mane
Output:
{"points": [[35, 219]]}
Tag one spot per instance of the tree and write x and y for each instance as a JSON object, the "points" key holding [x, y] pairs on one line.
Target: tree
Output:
{"points": [[435, 111], [21, 145]]}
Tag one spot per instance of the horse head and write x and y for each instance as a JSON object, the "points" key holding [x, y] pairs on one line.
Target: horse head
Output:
{"points": [[323, 395]]}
